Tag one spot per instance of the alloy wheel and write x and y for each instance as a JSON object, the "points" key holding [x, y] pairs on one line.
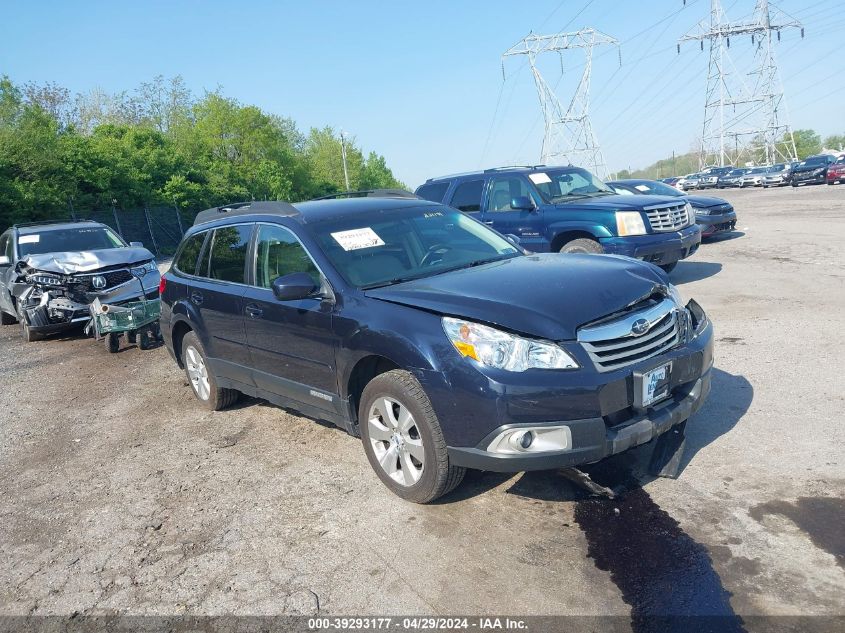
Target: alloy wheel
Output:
{"points": [[396, 441], [197, 372]]}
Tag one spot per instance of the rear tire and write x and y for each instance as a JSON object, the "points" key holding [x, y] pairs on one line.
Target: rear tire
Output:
{"points": [[202, 380], [668, 268], [582, 245], [403, 439], [7, 319]]}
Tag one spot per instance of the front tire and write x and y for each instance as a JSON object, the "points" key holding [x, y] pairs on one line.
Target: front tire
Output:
{"points": [[7, 319], [201, 379], [403, 439], [582, 245], [668, 268]]}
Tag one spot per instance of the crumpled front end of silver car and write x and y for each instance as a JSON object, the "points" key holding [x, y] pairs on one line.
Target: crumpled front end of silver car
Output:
{"points": [[54, 292]]}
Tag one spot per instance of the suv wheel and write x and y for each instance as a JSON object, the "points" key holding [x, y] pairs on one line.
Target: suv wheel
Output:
{"points": [[403, 439], [7, 319], [668, 268], [28, 335], [582, 245], [202, 381]]}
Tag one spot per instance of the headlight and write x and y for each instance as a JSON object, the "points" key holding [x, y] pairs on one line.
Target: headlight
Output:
{"points": [[501, 350], [819, 170], [43, 279], [143, 269], [629, 223], [699, 211], [690, 213]]}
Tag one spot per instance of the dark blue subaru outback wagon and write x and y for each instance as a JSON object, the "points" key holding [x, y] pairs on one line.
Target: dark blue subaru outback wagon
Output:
{"points": [[440, 342]]}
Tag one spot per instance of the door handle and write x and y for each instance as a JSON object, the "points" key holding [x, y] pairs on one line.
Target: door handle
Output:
{"points": [[196, 298], [489, 222], [254, 311]]}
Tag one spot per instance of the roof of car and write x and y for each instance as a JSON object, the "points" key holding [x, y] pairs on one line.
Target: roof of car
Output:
{"points": [[307, 212], [59, 225], [514, 169]]}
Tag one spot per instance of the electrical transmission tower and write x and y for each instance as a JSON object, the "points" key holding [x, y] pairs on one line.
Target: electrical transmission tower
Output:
{"points": [[745, 111], [568, 135]]}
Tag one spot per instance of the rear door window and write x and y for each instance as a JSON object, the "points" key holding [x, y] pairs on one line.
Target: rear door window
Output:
{"points": [[186, 262], [229, 246], [467, 196], [433, 191]]}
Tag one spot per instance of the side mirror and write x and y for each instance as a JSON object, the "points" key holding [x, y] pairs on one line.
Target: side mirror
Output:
{"points": [[522, 203], [513, 239], [294, 286], [4, 261], [136, 244]]}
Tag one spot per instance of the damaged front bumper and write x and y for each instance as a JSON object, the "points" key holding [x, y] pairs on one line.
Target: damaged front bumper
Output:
{"points": [[49, 302]]}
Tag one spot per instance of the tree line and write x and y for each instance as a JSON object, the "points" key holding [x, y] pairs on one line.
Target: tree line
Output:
{"points": [[807, 143], [161, 145]]}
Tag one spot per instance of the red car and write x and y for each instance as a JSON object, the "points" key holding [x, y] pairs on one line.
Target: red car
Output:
{"points": [[836, 172]]}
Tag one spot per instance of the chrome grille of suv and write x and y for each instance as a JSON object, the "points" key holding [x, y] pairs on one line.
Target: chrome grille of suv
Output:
{"points": [[667, 218], [614, 345]]}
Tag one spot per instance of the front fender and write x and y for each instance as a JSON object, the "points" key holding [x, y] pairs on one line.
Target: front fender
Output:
{"points": [[378, 337], [595, 229]]}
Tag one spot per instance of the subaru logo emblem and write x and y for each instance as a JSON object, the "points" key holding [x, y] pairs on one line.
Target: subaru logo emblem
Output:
{"points": [[639, 327], [98, 281]]}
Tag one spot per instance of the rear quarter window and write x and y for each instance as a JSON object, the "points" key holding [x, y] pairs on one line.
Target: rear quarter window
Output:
{"points": [[186, 260], [433, 191]]}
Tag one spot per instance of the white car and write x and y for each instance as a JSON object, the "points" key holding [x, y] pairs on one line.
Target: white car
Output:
{"points": [[753, 178]]}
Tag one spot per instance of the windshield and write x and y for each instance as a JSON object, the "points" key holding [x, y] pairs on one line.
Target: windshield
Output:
{"points": [[778, 167], [403, 244], [569, 183], [61, 240], [737, 172], [815, 160], [652, 187]]}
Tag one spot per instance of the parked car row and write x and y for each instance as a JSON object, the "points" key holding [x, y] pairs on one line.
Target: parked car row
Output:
{"points": [[812, 170], [469, 326]]}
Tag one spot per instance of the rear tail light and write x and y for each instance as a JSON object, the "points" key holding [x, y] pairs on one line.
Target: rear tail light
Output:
{"points": [[162, 285]]}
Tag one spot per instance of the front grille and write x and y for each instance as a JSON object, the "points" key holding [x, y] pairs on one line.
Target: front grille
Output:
{"points": [[113, 278], [667, 218], [613, 345]]}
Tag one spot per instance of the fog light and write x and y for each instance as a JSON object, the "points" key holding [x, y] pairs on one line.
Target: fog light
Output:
{"points": [[536, 439], [526, 439]]}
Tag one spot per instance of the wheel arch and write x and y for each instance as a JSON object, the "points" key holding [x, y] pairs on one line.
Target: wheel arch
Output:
{"points": [[180, 328]]}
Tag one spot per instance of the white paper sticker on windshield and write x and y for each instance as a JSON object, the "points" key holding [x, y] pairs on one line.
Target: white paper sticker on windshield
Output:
{"points": [[641, 187], [540, 178], [29, 239], [357, 238]]}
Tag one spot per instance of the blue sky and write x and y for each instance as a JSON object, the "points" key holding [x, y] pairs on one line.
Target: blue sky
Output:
{"points": [[420, 82]]}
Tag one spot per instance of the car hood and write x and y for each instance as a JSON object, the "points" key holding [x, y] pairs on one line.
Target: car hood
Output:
{"points": [[545, 295], [72, 262], [706, 201], [618, 202]]}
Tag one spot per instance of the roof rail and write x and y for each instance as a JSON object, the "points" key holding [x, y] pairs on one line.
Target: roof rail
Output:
{"points": [[244, 208], [370, 193], [487, 171], [21, 225]]}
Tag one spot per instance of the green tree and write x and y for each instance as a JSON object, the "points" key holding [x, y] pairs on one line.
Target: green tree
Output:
{"points": [[835, 141]]}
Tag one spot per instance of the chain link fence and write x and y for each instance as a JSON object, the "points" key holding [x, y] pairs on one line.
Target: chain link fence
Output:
{"points": [[160, 229]]}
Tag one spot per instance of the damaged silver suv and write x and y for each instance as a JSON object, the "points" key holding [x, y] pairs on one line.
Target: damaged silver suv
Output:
{"points": [[51, 272]]}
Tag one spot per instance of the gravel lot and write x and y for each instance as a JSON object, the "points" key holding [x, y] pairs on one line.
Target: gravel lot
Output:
{"points": [[120, 494]]}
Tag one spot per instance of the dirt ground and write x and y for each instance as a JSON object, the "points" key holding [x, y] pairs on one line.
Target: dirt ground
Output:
{"points": [[120, 494]]}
